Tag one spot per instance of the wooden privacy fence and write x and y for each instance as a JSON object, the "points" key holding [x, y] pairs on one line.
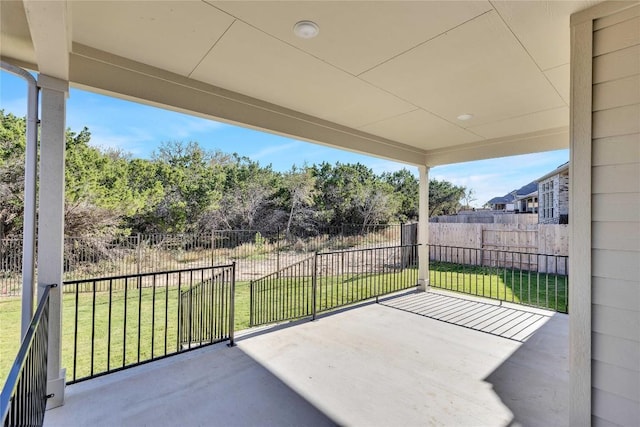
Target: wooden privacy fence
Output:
{"points": [[548, 239]]}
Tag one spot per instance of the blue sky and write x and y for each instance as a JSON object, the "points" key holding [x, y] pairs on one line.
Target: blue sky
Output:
{"points": [[139, 129]]}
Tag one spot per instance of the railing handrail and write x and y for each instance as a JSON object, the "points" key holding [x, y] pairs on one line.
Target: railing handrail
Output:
{"points": [[135, 275], [433, 245], [370, 249], [279, 272], [16, 369]]}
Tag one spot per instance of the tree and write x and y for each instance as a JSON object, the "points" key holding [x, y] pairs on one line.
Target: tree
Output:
{"points": [[12, 152], [300, 187], [191, 185], [248, 190], [97, 191], [353, 194], [444, 197], [376, 204], [406, 189], [468, 198]]}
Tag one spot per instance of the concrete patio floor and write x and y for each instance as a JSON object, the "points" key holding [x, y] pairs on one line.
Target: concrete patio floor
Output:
{"points": [[387, 364]]}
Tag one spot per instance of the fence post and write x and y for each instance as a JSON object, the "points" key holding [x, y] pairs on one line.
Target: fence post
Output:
{"points": [[232, 303], [251, 304], [278, 253], [212, 250], [314, 286], [139, 255], [139, 267]]}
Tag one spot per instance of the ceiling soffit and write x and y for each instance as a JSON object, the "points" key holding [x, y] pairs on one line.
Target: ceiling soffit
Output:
{"points": [[172, 35], [402, 71], [356, 36]]}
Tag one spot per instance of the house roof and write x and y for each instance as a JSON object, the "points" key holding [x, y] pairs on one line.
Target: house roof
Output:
{"points": [[560, 169], [499, 200], [525, 190], [361, 84]]}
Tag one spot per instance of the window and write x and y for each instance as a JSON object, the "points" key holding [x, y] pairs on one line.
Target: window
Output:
{"points": [[547, 199]]}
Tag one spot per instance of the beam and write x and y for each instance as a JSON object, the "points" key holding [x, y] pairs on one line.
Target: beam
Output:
{"points": [[50, 29], [534, 142], [102, 72]]}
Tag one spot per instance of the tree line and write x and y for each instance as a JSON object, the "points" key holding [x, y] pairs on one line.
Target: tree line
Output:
{"points": [[184, 188]]}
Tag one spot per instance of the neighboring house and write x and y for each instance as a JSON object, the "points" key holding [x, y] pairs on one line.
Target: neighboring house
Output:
{"points": [[522, 200], [503, 203], [553, 189], [527, 203]]}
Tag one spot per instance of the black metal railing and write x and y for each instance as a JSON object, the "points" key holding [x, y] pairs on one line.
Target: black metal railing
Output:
{"points": [[525, 278], [347, 277], [284, 295], [329, 280], [24, 396], [257, 252], [113, 323], [206, 310]]}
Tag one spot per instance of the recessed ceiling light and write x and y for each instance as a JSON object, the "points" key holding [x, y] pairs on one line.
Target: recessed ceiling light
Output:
{"points": [[465, 116], [306, 29]]}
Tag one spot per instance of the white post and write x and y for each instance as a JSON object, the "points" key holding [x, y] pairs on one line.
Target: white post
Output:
{"points": [[51, 222], [29, 224], [423, 229], [30, 178]]}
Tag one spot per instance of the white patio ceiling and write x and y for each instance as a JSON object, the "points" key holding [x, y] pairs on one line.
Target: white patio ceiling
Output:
{"points": [[384, 78]]}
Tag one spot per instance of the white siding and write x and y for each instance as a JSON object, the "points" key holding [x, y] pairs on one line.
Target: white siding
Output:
{"points": [[616, 220]]}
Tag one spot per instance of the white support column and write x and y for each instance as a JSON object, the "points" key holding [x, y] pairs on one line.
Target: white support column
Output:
{"points": [[51, 222], [29, 217], [423, 229]]}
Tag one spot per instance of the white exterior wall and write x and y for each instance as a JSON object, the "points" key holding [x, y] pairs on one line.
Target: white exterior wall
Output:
{"points": [[613, 229], [616, 222]]}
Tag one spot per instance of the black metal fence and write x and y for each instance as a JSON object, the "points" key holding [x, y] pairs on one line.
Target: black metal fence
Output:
{"points": [[347, 277], [256, 252], [525, 278], [207, 310], [286, 294], [328, 280], [24, 396], [112, 323]]}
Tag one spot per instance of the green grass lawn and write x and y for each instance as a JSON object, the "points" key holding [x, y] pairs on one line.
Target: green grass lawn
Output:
{"points": [[287, 298], [543, 290], [158, 322], [151, 320]]}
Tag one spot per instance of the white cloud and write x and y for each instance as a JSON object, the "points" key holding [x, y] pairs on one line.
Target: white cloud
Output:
{"points": [[387, 166], [184, 127], [496, 177], [274, 149]]}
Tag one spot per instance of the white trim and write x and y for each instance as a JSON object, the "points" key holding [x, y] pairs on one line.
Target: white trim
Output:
{"points": [[423, 229], [580, 224]]}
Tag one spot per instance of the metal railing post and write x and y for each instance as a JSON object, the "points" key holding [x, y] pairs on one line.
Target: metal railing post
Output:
{"points": [[251, 303], [232, 302], [212, 250], [314, 287], [278, 253], [139, 247]]}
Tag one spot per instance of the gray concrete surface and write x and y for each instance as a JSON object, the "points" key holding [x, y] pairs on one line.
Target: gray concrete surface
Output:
{"points": [[374, 365]]}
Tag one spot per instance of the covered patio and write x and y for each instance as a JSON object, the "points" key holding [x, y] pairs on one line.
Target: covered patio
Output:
{"points": [[424, 83], [392, 363]]}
